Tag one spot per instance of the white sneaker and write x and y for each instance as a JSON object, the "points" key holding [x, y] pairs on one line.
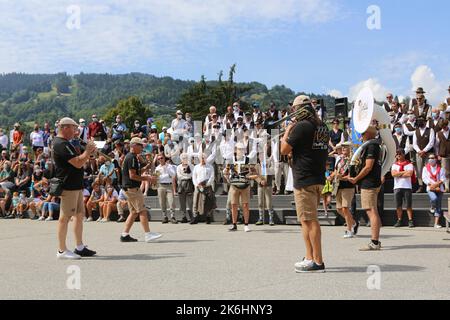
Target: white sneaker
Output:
{"points": [[104, 220], [49, 219], [67, 255], [89, 219], [348, 234], [99, 219], [437, 226], [247, 229], [152, 236], [41, 218], [304, 263]]}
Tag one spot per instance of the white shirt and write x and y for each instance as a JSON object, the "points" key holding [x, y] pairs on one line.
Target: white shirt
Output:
{"points": [[210, 151], [227, 149], [430, 143], [406, 130], [4, 141], [86, 193], [408, 146], [427, 178], [37, 139], [173, 153], [181, 175], [178, 125], [203, 173], [193, 151], [219, 120], [166, 173], [402, 183]]}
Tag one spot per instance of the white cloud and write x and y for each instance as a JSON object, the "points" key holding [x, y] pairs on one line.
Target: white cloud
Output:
{"points": [[379, 91], [115, 33], [335, 93], [424, 77]]}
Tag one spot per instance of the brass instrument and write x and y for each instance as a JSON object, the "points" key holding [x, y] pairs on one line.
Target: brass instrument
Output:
{"points": [[298, 115], [364, 113], [155, 185], [108, 158], [277, 123], [100, 145]]}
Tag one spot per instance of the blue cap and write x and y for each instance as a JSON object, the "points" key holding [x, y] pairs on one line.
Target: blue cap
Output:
{"points": [[150, 119], [154, 126]]}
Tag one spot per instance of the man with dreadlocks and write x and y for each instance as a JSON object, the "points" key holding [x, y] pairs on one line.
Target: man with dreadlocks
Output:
{"points": [[307, 140]]}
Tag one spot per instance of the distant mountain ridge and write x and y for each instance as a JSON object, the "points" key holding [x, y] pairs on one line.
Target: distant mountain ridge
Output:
{"points": [[28, 98]]}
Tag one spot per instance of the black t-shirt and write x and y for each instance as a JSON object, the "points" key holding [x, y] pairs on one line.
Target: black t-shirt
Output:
{"points": [[336, 137], [130, 162], [63, 151], [310, 153], [373, 179]]}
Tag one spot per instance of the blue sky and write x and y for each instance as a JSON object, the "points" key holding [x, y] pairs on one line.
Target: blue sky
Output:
{"points": [[316, 46]]}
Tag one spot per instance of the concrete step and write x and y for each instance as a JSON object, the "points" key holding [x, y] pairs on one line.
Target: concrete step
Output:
{"points": [[284, 207]]}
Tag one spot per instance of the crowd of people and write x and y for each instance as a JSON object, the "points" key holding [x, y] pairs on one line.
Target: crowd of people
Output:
{"points": [[235, 154]]}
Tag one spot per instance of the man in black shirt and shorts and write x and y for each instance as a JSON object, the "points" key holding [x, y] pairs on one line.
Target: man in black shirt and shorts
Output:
{"points": [[69, 169], [307, 140], [131, 182], [370, 182]]}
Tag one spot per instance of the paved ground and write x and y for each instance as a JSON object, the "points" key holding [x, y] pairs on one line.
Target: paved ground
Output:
{"points": [[207, 262]]}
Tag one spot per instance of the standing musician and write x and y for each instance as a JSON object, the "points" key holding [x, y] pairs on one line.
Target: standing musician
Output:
{"points": [[343, 190], [131, 182], [240, 175], [265, 171], [307, 140], [370, 180]]}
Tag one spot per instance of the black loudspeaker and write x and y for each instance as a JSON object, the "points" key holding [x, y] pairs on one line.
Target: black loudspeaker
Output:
{"points": [[341, 107]]}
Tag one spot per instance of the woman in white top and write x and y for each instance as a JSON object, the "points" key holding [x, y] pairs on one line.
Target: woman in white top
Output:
{"points": [[433, 176], [109, 203]]}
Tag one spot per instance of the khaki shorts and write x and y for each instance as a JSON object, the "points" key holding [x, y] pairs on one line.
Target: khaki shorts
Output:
{"points": [[243, 194], [307, 201], [135, 199], [72, 203], [369, 198], [344, 198]]}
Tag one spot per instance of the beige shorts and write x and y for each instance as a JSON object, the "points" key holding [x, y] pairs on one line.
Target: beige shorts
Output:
{"points": [[242, 194], [369, 198], [344, 198], [135, 199], [72, 203], [307, 201]]}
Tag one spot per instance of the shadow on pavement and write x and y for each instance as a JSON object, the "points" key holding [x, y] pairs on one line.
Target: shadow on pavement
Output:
{"points": [[417, 246], [139, 257], [276, 231], [385, 236], [182, 241], [383, 268]]}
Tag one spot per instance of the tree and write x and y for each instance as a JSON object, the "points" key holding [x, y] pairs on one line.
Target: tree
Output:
{"points": [[130, 109], [202, 95], [62, 84]]}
